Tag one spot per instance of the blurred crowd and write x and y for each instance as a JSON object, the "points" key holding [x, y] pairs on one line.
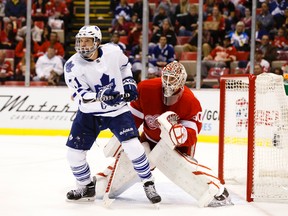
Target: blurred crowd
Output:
{"points": [[226, 35], [173, 35], [48, 27]]}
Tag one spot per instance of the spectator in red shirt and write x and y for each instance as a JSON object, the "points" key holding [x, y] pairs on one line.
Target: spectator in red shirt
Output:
{"points": [[220, 56], [6, 71], [60, 9], [208, 8], [20, 49], [59, 12], [280, 40], [8, 37], [59, 49], [134, 34], [21, 69], [39, 11], [217, 30], [121, 26]]}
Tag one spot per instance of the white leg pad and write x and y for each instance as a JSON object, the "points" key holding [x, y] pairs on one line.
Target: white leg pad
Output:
{"points": [[124, 177], [193, 178], [112, 148]]}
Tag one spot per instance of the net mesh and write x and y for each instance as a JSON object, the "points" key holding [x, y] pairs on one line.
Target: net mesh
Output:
{"points": [[270, 173]]}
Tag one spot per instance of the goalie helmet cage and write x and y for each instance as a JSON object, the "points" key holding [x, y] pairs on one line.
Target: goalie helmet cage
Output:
{"points": [[253, 134]]}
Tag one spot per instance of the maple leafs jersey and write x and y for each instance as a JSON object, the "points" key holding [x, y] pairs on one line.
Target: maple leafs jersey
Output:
{"points": [[149, 106], [87, 78]]}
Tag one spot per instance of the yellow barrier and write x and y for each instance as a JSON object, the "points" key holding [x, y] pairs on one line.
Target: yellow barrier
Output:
{"points": [[103, 134]]}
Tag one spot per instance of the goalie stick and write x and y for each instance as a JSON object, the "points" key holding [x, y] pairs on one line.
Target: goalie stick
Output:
{"points": [[107, 98], [106, 199]]}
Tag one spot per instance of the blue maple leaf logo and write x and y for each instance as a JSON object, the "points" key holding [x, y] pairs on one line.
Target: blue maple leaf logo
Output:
{"points": [[69, 66], [105, 83]]}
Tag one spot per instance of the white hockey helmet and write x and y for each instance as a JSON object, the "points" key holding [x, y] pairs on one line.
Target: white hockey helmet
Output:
{"points": [[173, 80], [88, 32]]}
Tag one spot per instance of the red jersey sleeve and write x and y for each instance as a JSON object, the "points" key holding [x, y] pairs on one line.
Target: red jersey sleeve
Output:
{"points": [[137, 113], [189, 110]]}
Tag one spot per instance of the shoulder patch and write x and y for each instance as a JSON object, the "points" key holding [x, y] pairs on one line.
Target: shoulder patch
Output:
{"points": [[69, 66]]}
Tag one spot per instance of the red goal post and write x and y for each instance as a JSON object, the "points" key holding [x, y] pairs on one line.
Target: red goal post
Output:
{"points": [[253, 135]]}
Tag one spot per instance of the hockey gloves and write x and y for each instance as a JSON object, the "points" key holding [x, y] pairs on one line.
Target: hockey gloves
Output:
{"points": [[111, 97], [178, 134], [171, 130], [130, 89]]}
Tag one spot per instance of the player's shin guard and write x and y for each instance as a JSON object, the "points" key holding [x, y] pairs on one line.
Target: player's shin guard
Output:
{"points": [[142, 167], [79, 166], [81, 171], [136, 153]]}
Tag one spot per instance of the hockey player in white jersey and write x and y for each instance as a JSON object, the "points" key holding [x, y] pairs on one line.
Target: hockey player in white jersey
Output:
{"points": [[101, 80]]}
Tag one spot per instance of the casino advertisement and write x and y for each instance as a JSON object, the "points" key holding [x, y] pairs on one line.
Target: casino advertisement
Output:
{"points": [[50, 111]]}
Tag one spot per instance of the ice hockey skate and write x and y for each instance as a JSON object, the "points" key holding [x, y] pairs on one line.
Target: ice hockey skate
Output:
{"points": [[221, 200], [86, 193], [151, 192]]}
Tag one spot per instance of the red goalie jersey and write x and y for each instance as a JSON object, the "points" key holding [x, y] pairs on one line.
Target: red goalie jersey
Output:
{"points": [[149, 106]]}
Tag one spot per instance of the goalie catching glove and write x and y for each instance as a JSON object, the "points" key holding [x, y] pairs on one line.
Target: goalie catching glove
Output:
{"points": [[130, 89], [169, 123]]}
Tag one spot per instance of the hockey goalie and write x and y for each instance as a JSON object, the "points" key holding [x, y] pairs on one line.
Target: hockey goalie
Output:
{"points": [[170, 125]]}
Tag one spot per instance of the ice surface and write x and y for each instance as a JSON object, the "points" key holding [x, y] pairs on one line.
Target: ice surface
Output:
{"points": [[35, 177]]}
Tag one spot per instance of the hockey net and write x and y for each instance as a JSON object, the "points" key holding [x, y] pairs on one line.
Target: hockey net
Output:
{"points": [[253, 135]]}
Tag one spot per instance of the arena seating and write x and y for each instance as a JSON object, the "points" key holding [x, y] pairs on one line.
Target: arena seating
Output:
{"points": [[22, 83], [181, 40], [188, 56]]}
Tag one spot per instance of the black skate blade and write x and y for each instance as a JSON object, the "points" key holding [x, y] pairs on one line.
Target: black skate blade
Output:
{"points": [[228, 203], [83, 200]]}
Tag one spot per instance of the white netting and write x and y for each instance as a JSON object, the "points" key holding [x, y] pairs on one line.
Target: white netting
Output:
{"points": [[270, 175]]}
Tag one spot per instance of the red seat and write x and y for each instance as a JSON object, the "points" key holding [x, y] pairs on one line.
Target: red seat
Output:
{"points": [[188, 56], [282, 55], [22, 83], [242, 56], [124, 39], [181, 40], [10, 53], [193, 1]]}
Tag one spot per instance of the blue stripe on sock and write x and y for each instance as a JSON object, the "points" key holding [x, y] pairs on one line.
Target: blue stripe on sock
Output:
{"points": [[142, 167], [81, 173]]}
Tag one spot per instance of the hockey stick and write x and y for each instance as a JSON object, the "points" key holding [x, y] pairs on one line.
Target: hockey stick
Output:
{"points": [[106, 199], [107, 98]]}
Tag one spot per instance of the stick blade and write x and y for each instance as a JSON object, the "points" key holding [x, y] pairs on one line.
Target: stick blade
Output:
{"points": [[107, 201]]}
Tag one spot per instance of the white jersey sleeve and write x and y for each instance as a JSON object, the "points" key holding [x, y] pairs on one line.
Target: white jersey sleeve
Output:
{"points": [[87, 79]]}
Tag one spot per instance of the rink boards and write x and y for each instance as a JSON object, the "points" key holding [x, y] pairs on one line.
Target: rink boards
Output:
{"points": [[50, 111]]}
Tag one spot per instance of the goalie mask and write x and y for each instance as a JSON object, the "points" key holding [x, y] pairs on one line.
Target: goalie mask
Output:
{"points": [[173, 80], [93, 32]]}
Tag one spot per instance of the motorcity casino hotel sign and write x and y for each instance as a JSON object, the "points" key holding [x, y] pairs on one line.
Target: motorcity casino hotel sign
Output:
{"points": [[35, 109]]}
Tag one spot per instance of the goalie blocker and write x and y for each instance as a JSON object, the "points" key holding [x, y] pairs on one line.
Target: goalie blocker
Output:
{"points": [[197, 180]]}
